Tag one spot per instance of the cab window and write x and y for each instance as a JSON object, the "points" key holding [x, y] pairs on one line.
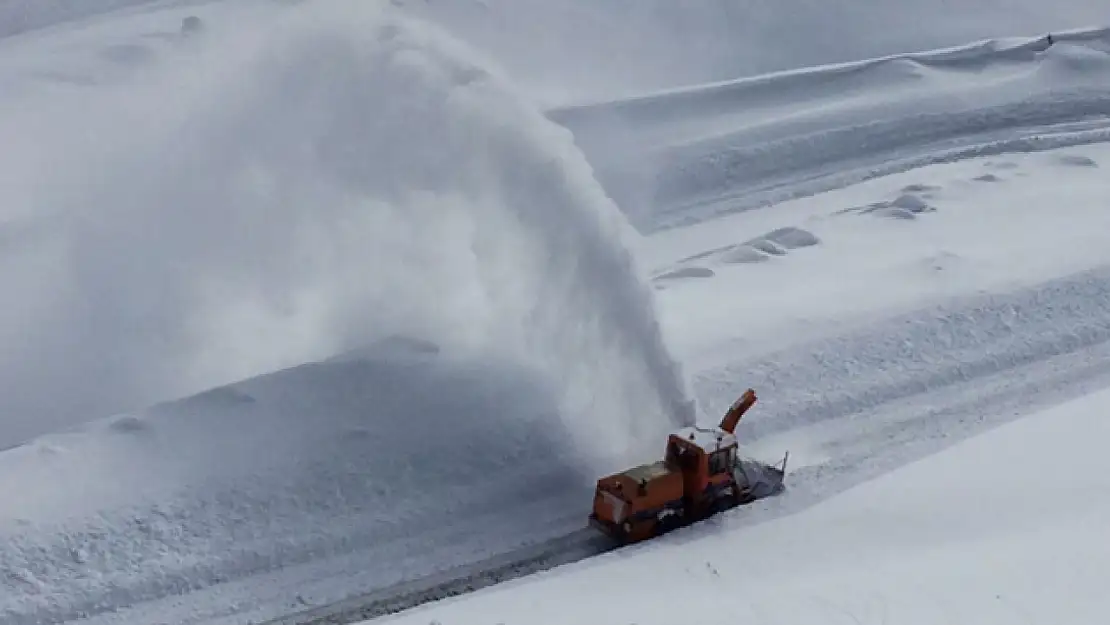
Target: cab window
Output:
{"points": [[719, 461], [682, 457]]}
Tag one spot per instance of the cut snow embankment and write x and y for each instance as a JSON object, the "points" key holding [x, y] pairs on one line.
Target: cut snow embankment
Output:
{"points": [[683, 156], [1003, 528], [401, 463]]}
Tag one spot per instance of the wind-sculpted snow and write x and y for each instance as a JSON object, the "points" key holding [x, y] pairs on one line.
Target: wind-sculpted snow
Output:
{"points": [[632, 46], [687, 155], [336, 175], [628, 46]]}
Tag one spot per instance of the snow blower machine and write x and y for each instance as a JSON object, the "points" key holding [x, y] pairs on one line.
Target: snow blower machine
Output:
{"points": [[701, 474]]}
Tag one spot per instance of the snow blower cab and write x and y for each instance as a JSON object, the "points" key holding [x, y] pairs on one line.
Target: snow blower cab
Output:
{"points": [[701, 474]]}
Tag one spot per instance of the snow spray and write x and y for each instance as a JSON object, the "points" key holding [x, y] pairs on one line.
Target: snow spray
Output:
{"points": [[330, 175]]}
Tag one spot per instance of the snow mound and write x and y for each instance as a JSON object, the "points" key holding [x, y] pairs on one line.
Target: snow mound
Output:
{"points": [[1077, 160], [905, 206], [777, 242], [903, 214], [686, 272], [792, 238], [743, 255]]}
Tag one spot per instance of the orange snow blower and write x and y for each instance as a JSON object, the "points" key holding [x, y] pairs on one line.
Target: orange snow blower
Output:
{"points": [[701, 474]]}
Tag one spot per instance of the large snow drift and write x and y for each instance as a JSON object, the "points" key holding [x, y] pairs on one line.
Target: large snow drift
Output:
{"points": [[1007, 527]]}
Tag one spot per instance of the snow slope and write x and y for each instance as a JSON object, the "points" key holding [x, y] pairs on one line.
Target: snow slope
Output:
{"points": [[1006, 527], [631, 46], [686, 155], [342, 177]]}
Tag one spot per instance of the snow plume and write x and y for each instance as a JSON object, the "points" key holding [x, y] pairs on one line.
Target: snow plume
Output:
{"points": [[332, 175]]}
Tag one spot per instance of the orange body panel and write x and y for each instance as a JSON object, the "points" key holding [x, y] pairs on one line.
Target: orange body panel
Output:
{"points": [[682, 486], [694, 480]]}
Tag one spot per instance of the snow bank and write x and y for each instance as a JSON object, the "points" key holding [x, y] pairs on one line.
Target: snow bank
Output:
{"points": [[273, 195], [1009, 525], [682, 156], [402, 458]]}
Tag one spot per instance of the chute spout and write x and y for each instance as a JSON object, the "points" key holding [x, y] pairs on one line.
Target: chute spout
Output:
{"points": [[739, 407]]}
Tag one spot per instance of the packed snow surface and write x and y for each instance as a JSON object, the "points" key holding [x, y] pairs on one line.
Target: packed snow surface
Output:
{"points": [[410, 327]]}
